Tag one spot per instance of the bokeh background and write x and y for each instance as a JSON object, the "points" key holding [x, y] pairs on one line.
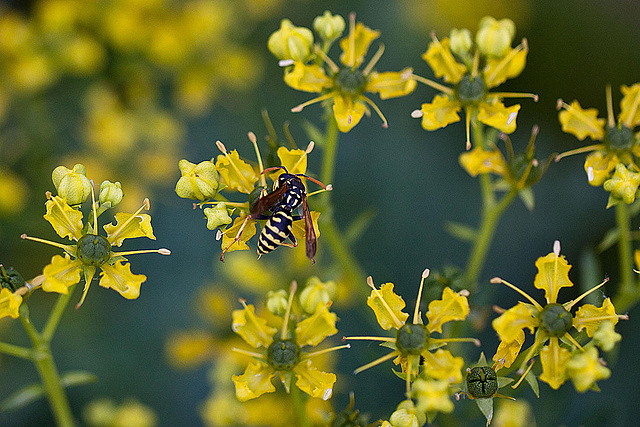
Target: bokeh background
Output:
{"points": [[130, 87]]}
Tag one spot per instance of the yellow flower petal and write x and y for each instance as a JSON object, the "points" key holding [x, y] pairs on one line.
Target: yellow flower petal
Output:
{"points": [[623, 184], [553, 274], [391, 84], [251, 328], [510, 324], [440, 112], [590, 317], [243, 183], [479, 161], [65, 220], [61, 273], [254, 382], [307, 78], [391, 300], [494, 113], [9, 303], [129, 227], [348, 112], [314, 329], [585, 369], [442, 365], [432, 396], [353, 54], [452, 306], [443, 63], [629, 106], [120, 278], [230, 232], [496, 72], [554, 363], [582, 123], [600, 165], [508, 351], [313, 381]]}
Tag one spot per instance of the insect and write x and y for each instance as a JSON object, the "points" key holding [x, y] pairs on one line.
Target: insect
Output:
{"points": [[278, 207]]}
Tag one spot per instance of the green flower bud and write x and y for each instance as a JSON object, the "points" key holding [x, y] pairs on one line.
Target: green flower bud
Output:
{"points": [[217, 216], [291, 42], [199, 181], [494, 37], [277, 302], [406, 415], [460, 42], [73, 185], [110, 193], [328, 26], [316, 292]]}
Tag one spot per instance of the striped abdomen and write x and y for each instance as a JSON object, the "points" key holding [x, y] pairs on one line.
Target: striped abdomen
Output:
{"points": [[275, 231]]}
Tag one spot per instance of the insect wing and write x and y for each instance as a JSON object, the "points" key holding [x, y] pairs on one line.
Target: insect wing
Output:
{"points": [[310, 233], [267, 201]]}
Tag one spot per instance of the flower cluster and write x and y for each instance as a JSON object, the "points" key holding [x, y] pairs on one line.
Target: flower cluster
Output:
{"points": [[285, 352], [562, 356], [308, 68], [92, 250], [429, 371], [473, 67], [614, 162], [231, 173]]}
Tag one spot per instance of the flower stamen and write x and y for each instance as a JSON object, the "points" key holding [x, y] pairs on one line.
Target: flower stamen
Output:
{"points": [[503, 63], [376, 362], [326, 350], [385, 124], [287, 314], [315, 100], [254, 141], [66, 248], [497, 280], [570, 304], [374, 60], [223, 149], [145, 206], [416, 311]]}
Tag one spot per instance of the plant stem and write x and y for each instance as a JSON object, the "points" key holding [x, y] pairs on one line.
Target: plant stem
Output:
{"points": [[16, 351], [628, 294], [55, 315], [298, 406], [330, 148]]}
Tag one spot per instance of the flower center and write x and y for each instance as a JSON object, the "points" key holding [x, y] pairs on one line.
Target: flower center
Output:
{"points": [[555, 320], [11, 279], [93, 249], [470, 89], [350, 82], [283, 355], [482, 382], [619, 138], [412, 339]]}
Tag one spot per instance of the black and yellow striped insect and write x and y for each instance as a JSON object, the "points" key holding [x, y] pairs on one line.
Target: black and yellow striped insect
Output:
{"points": [[278, 207]]}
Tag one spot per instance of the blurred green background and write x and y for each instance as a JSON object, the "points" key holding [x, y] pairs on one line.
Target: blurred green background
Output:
{"points": [[409, 176]]}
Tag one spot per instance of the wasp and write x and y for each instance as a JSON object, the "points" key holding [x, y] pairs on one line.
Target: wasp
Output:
{"points": [[278, 207]]}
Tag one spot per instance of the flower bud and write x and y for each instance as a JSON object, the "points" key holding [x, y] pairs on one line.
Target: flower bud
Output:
{"points": [[494, 37], [199, 181], [110, 193], [217, 216], [606, 336], [73, 185], [291, 42], [406, 415], [277, 302], [328, 26], [460, 42], [316, 292]]}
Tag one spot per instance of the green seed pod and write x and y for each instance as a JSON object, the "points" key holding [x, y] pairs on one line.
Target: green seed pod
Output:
{"points": [[291, 42], [555, 320], [199, 182], [328, 26], [11, 279], [283, 355], [495, 37], [470, 90], [73, 185], [110, 193], [350, 82], [482, 382], [93, 250], [412, 339]]}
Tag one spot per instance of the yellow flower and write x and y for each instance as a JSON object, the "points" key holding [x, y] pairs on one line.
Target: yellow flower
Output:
{"points": [[92, 250], [479, 161], [550, 323], [432, 396], [618, 146], [284, 354], [586, 368], [13, 287], [473, 70], [344, 86], [413, 344], [131, 413]]}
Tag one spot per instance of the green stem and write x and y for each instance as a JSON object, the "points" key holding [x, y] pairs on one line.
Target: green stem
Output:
{"points": [[298, 406], [16, 351], [330, 148], [628, 294], [55, 315]]}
